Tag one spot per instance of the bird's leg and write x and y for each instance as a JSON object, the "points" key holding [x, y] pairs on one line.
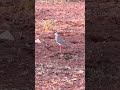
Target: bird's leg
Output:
{"points": [[60, 48]]}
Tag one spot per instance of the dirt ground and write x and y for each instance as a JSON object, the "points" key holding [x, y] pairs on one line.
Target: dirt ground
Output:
{"points": [[55, 70], [102, 45]]}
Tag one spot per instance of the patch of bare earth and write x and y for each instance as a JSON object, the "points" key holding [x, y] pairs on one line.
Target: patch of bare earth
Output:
{"points": [[65, 71]]}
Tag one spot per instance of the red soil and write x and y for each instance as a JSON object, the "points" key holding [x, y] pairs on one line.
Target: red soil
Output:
{"points": [[65, 71]]}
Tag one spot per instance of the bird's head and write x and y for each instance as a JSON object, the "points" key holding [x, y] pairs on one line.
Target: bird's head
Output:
{"points": [[56, 33]]}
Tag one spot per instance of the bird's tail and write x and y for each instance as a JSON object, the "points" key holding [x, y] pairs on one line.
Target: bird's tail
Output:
{"points": [[66, 45]]}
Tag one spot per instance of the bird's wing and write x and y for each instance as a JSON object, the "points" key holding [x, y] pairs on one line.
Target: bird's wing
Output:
{"points": [[60, 40]]}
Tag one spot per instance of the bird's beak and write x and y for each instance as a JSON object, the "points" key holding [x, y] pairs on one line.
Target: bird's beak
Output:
{"points": [[54, 31]]}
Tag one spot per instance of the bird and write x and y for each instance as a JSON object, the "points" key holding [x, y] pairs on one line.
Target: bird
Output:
{"points": [[59, 41]]}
